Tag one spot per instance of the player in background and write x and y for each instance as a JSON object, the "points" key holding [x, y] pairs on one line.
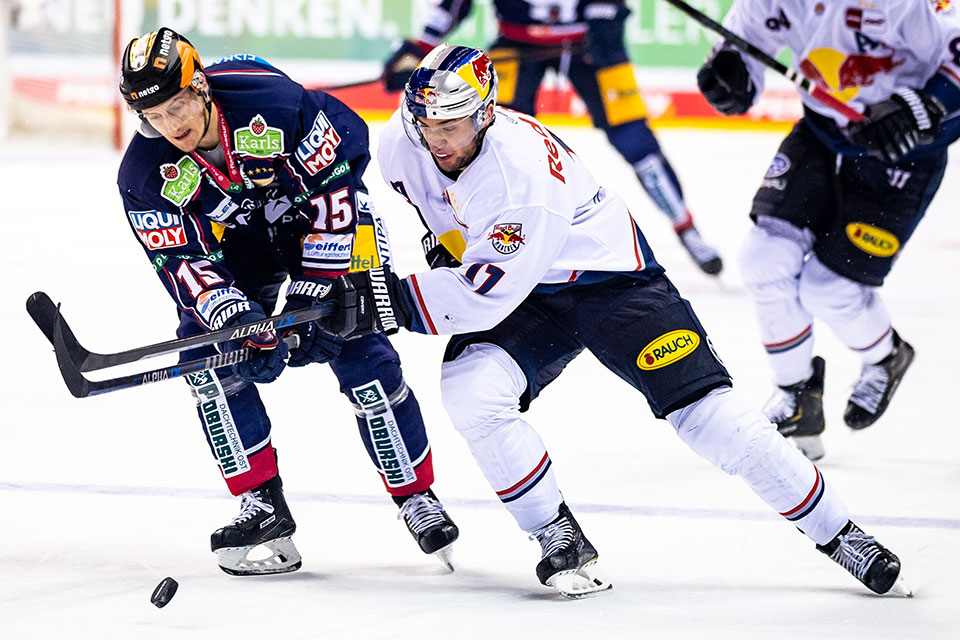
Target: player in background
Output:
{"points": [[840, 200], [536, 263], [582, 40], [238, 180]]}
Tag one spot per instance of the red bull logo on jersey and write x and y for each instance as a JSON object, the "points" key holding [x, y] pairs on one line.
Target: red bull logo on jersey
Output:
{"points": [[506, 238], [667, 349], [842, 75], [944, 7], [873, 240], [158, 229]]}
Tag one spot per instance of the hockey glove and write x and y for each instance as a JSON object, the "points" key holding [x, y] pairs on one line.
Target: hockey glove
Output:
{"points": [[725, 82], [268, 359], [436, 254], [605, 22], [893, 128], [316, 345], [373, 301], [399, 66]]}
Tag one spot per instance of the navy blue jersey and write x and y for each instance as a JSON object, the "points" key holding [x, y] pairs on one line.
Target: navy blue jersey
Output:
{"points": [[449, 13], [295, 165]]}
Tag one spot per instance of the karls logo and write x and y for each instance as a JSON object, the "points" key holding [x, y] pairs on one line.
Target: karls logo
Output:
{"points": [[872, 240], [158, 229], [318, 149], [259, 139], [180, 180], [667, 349]]}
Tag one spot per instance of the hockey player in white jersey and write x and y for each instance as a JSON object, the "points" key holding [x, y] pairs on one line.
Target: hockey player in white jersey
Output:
{"points": [[840, 200], [536, 263]]}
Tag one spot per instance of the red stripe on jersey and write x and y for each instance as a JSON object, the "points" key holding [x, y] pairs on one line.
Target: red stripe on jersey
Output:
{"points": [[875, 342], [540, 464], [789, 340], [422, 304], [636, 244], [952, 75]]}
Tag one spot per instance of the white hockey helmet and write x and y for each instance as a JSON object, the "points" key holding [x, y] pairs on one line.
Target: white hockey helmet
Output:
{"points": [[451, 83]]}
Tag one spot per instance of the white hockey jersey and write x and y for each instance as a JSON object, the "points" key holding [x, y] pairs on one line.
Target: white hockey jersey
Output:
{"points": [[859, 51], [525, 212]]}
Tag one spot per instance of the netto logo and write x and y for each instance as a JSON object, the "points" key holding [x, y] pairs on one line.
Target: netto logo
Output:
{"points": [[872, 240], [667, 349]]}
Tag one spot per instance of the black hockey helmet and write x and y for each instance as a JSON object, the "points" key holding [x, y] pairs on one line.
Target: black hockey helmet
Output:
{"points": [[156, 66]]}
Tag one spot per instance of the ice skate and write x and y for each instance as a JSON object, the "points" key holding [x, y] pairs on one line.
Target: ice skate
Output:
{"points": [[569, 561], [430, 525], [703, 254], [877, 383], [258, 541], [867, 560], [797, 410]]}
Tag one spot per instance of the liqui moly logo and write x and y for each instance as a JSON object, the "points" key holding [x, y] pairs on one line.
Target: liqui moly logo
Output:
{"points": [[318, 149], [158, 229]]}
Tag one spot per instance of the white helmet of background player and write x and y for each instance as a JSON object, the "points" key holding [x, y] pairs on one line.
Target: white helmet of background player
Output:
{"points": [[451, 83]]}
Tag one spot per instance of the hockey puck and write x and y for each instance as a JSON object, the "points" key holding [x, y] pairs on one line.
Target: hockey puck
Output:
{"points": [[164, 592]]}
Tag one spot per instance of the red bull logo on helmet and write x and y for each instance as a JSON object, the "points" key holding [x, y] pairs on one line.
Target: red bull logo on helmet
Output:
{"points": [[477, 72], [506, 238]]}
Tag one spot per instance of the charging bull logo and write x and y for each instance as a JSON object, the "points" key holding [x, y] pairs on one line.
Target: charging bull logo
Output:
{"points": [[872, 240], [667, 349], [481, 69], [842, 75], [506, 238], [425, 96], [942, 6]]}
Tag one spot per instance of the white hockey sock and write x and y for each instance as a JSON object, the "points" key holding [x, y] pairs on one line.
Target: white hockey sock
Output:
{"points": [[725, 429], [481, 392], [771, 260], [854, 311]]}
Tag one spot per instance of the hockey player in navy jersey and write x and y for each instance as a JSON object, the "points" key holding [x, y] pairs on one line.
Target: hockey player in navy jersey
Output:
{"points": [[239, 179], [584, 40], [840, 200], [535, 263]]}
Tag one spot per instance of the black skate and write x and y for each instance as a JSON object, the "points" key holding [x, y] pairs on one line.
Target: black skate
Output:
{"points": [[264, 521], [703, 254], [877, 383], [569, 561], [867, 560], [429, 525], [797, 410]]}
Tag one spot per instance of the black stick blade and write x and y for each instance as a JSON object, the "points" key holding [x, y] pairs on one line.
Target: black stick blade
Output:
{"points": [[45, 314], [75, 382]]}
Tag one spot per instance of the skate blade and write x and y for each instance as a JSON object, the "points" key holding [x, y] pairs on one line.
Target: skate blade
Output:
{"points": [[810, 446], [586, 581], [900, 589], [445, 556], [242, 561]]}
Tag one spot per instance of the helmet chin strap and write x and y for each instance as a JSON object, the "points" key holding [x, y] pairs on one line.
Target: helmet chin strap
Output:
{"points": [[208, 108]]}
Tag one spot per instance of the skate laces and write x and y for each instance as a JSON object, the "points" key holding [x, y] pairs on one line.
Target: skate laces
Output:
{"points": [[868, 390], [421, 512], [781, 405], [555, 537], [856, 552], [250, 504]]}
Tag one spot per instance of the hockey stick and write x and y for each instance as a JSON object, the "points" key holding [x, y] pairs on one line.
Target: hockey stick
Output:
{"points": [[81, 387], [802, 83], [47, 316]]}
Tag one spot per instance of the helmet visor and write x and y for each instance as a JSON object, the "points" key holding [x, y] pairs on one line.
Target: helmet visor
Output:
{"points": [[440, 137], [181, 108]]}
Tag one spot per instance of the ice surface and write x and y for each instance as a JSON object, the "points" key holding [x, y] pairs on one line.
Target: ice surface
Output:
{"points": [[105, 496]]}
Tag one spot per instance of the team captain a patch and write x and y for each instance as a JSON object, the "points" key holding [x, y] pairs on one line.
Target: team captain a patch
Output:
{"points": [[506, 238]]}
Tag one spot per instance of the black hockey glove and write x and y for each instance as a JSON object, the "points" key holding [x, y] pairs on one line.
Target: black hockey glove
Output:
{"points": [[893, 128], [725, 82], [605, 22], [436, 254], [373, 301], [270, 352], [399, 66], [316, 344]]}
